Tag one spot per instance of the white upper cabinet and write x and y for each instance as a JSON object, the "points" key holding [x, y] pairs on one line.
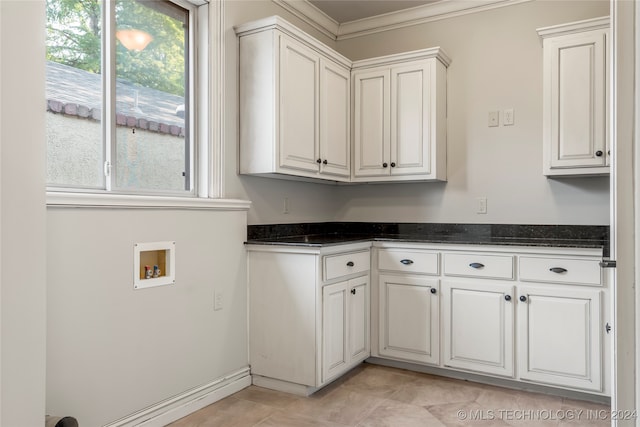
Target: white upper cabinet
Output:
{"points": [[399, 115], [299, 98], [371, 149], [335, 130], [296, 109], [575, 120], [294, 104]]}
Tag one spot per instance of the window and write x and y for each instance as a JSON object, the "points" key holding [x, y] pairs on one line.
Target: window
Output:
{"points": [[120, 95]]}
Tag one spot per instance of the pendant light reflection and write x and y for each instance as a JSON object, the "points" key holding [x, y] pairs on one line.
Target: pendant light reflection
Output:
{"points": [[134, 40]]}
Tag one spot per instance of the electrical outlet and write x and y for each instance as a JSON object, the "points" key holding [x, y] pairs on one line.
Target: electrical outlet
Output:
{"points": [[217, 300], [481, 205], [285, 206], [507, 117]]}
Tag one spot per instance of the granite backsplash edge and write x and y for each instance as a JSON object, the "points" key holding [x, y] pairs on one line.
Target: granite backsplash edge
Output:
{"points": [[590, 233]]}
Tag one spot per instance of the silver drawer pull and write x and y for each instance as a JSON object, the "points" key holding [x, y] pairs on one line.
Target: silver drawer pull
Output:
{"points": [[406, 261], [476, 265], [350, 264], [558, 270]]}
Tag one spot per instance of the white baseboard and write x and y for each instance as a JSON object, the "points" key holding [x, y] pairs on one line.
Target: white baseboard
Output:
{"points": [[179, 406]]}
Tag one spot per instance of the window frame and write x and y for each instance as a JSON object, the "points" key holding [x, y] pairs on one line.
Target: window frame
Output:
{"points": [[206, 121]]}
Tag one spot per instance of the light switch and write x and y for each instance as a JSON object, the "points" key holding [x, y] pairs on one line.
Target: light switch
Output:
{"points": [[493, 118]]}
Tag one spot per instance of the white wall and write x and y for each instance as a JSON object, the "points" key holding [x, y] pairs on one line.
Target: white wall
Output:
{"points": [[496, 64], [22, 215], [113, 350]]}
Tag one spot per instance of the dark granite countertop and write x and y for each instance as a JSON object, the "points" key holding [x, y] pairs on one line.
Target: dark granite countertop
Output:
{"points": [[334, 233]]}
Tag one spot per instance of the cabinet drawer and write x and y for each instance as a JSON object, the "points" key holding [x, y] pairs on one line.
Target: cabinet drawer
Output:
{"points": [[408, 261], [479, 265], [345, 264], [561, 270]]}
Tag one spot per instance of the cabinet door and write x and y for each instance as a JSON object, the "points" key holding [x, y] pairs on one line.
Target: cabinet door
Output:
{"points": [[359, 348], [371, 123], [559, 330], [410, 115], [478, 326], [298, 106], [335, 349], [575, 99], [335, 112], [409, 313]]}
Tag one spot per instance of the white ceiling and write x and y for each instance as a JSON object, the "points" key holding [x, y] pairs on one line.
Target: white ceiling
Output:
{"points": [[351, 10]]}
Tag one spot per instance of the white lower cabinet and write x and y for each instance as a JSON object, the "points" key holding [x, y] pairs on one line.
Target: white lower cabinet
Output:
{"points": [[345, 325], [409, 318], [526, 314], [559, 329], [308, 314], [529, 314], [478, 326]]}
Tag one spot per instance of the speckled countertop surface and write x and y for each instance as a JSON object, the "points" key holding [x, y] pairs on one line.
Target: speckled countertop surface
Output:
{"points": [[334, 233]]}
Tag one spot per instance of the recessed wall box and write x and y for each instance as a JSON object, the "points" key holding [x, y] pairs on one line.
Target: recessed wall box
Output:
{"points": [[154, 264]]}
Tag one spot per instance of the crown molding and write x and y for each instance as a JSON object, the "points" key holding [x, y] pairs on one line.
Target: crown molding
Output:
{"points": [[434, 52], [442, 9], [574, 27], [293, 31], [312, 16]]}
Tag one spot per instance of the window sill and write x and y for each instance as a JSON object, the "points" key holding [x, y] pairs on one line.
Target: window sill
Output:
{"points": [[120, 201]]}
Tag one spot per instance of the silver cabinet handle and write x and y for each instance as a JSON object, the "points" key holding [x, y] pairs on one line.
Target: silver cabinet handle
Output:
{"points": [[558, 270], [476, 265], [406, 261], [350, 264]]}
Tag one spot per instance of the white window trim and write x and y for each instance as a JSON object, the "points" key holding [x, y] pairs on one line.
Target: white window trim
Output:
{"points": [[125, 201], [214, 182], [210, 142]]}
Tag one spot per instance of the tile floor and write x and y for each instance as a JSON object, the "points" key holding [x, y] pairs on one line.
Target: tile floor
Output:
{"points": [[377, 396]]}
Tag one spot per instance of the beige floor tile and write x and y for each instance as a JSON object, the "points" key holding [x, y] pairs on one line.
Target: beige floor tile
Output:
{"points": [[465, 414], [431, 390], [341, 406], [229, 412], [391, 413], [287, 420], [518, 399], [521, 408], [378, 396], [265, 396], [378, 381], [579, 412]]}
